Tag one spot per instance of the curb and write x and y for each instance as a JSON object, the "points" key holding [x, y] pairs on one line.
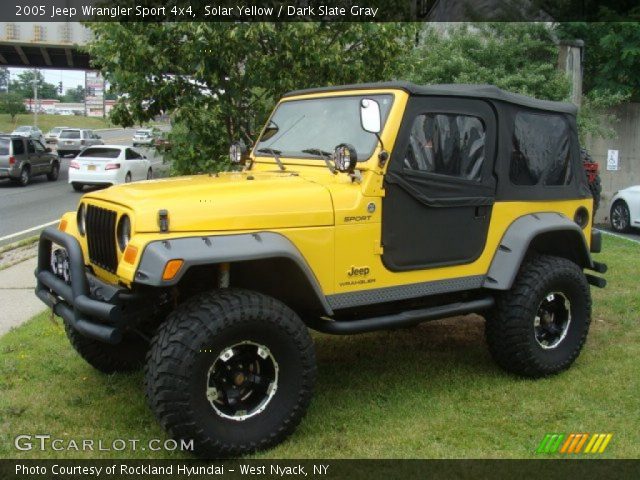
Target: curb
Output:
{"points": [[107, 129]]}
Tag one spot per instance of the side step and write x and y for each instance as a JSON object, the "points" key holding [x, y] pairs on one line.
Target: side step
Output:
{"points": [[402, 319]]}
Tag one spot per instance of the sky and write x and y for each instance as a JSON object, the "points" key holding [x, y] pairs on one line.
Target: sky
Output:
{"points": [[69, 78]]}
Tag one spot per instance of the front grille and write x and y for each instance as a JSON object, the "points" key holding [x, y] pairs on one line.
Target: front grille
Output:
{"points": [[101, 237]]}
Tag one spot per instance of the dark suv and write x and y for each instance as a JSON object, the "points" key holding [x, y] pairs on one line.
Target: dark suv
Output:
{"points": [[22, 158]]}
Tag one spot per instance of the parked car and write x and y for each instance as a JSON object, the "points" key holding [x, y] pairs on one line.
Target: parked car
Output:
{"points": [[29, 131], [625, 209], [74, 140], [145, 136], [52, 135], [108, 165], [23, 158]]}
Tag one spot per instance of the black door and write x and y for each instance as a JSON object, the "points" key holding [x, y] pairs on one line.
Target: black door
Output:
{"points": [[439, 187]]}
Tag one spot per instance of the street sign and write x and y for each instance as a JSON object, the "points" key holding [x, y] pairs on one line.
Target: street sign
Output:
{"points": [[613, 160]]}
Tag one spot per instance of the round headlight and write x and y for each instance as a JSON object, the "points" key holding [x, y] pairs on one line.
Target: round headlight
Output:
{"points": [[345, 158], [124, 232], [81, 219]]}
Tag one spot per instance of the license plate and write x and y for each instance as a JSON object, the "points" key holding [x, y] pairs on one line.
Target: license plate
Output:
{"points": [[91, 167], [69, 143]]}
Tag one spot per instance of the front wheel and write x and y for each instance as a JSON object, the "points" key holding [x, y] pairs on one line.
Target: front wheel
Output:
{"points": [[149, 174], [231, 369], [126, 356], [52, 176], [539, 326]]}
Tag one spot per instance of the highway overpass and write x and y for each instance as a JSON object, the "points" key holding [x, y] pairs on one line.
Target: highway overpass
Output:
{"points": [[44, 45]]}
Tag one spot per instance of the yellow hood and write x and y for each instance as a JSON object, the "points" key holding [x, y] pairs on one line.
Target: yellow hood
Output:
{"points": [[230, 201]]}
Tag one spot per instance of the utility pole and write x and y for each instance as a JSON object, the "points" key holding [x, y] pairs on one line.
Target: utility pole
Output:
{"points": [[35, 97]]}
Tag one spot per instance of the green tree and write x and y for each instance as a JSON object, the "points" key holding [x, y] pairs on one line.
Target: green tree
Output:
{"points": [[74, 95], [23, 86], [219, 80], [518, 57], [611, 56], [11, 103]]}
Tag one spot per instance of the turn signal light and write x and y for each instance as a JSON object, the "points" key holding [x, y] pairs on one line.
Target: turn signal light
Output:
{"points": [[63, 225], [112, 166], [130, 254], [171, 269], [75, 165], [12, 160]]}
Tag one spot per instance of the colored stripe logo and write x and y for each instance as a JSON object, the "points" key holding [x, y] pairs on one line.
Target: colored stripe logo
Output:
{"points": [[574, 443]]}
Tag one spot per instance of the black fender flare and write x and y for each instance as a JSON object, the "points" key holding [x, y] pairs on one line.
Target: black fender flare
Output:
{"points": [[565, 237], [215, 249]]}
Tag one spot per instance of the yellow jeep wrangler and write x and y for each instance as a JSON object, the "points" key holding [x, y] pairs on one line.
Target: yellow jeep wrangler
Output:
{"points": [[360, 208]]}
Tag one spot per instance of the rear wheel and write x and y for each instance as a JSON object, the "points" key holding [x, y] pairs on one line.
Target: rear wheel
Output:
{"points": [[52, 176], [620, 217], [25, 176], [540, 325], [231, 369], [77, 186]]}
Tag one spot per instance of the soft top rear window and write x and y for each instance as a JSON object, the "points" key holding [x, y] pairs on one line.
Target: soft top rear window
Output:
{"points": [[4, 146], [100, 153], [541, 150]]}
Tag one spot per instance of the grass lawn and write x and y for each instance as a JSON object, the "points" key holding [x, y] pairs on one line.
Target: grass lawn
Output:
{"points": [[47, 121], [426, 392]]}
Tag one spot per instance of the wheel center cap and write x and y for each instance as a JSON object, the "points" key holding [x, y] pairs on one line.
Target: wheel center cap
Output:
{"points": [[239, 379]]}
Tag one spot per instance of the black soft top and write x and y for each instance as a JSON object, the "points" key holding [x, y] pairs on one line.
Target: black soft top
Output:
{"points": [[453, 90]]}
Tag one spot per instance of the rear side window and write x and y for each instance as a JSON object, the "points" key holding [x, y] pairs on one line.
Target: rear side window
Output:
{"points": [[447, 144], [132, 154], [4, 146], [70, 134], [18, 147], [541, 150], [100, 153]]}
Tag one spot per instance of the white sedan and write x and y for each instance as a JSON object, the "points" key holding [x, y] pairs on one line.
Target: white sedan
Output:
{"points": [[625, 209], [108, 165]]}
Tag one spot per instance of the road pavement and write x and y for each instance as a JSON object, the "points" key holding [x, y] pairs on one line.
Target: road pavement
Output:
{"points": [[24, 211]]}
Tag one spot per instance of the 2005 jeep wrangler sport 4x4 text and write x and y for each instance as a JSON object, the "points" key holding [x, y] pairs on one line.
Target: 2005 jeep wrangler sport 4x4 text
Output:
{"points": [[359, 208]]}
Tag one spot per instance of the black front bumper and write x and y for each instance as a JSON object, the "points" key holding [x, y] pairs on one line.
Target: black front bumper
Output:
{"points": [[98, 318]]}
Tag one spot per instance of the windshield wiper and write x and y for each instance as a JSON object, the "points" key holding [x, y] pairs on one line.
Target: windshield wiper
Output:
{"points": [[326, 156], [275, 153]]}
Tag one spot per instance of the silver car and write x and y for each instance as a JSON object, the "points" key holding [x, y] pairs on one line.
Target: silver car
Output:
{"points": [[144, 136], [22, 158], [74, 140], [29, 131], [52, 135]]}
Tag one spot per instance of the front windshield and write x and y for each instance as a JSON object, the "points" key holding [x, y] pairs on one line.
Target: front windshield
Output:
{"points": [[23, 129], [321, 123]]}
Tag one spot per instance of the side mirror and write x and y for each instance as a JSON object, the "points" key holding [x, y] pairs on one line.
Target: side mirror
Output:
{"points": [[238, 152], [98, 136], [370, 115], [345, 158], [48, 150]]}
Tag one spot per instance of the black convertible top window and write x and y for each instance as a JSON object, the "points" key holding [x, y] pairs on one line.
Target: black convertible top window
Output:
{"points": [[541, 150], [447, 144]]}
